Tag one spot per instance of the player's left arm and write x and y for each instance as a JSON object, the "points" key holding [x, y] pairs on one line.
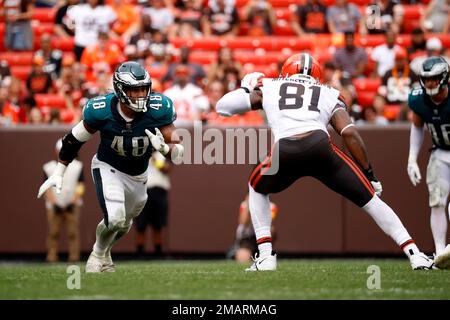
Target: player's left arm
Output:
{"points": [[344, 126], [248, 97]]}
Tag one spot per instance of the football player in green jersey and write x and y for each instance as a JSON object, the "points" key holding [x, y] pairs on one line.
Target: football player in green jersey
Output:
{"points": [[431, 106], [132, 121]]}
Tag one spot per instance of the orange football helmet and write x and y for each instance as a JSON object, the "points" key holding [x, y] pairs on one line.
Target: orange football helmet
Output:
{"points": [[304, 64]]}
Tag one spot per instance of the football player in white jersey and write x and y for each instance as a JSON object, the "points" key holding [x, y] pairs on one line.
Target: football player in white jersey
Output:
{"points": [[298, 109]]}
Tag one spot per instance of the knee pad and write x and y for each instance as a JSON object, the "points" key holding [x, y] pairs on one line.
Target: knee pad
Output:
{"points": [[116, 220], [438, 188]]}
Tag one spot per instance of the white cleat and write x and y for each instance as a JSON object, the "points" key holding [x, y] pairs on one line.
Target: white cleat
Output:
{"points": [[420, 261], [442, 261], [94, 263], [265, 263], [108, 265]]}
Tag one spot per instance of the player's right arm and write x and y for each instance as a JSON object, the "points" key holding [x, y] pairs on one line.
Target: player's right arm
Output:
{"points": [[71, 144], [415, 143], [343, 125]]}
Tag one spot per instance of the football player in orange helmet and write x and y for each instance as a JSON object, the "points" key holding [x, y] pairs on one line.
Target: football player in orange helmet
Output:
{"points": [[302, 64]]}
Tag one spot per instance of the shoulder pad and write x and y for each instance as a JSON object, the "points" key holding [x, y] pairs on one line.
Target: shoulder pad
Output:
{"points": [[97, 110], [161, 108]]}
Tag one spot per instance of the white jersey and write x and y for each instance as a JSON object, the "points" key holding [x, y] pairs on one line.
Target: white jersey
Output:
{"points": [[188, 101], [89, 22], [295, 106]]}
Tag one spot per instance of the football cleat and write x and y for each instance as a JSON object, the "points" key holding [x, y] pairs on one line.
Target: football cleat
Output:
{"points": [[94, 263], [265, 263], [442, 261], [108, 265], [421, 261]]}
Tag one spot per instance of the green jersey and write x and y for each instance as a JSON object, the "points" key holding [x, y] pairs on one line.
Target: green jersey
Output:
{"points": [[124, 145], [436, 117]]}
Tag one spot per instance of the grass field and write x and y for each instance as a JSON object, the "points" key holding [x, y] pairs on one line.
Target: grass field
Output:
{"points": [[219, 279]]}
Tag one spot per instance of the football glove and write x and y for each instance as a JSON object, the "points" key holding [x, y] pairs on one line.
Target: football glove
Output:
{"points": [[250, 80], [413, 171], [373, 181], [55, 180], [157, 141]]}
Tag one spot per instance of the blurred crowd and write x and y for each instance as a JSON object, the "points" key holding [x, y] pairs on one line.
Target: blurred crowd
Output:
{"points": [[375, 81]]}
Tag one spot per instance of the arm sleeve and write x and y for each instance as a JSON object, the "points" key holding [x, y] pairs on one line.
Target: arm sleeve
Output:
{"points": [[415, 142], [234, 102]]}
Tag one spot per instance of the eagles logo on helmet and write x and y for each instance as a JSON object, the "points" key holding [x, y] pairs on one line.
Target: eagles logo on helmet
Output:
{"points": [[132, 85], [434, 70]]}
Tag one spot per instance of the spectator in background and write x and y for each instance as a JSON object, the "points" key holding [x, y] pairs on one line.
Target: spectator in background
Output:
{"points": [[38, 81], [418, 43], [52, 57], [343, 17], [436, 18], [398, 82], [195, 70], [69, 84], [139, 44], [350, 60], [310, 18], [64, 208], [331, 76], [160, 51], [64, 27], [384, 54], [189, 100], [89, 19], [127, 18], [381, 16], [14, 110], [102, 56], [18, 32], [348, 94], [245, 247], [156, 208], [226, 65], [371, 116], [54, 117], [433, 48], [187, 20], [220, 18], [261, 18], [160, 13], [35, 117], [5, 73]]}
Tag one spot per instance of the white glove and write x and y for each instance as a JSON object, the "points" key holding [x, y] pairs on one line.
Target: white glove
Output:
{"points": [[157, 141], [250, 80], [414, 171], [377, 186], [55, 180]]}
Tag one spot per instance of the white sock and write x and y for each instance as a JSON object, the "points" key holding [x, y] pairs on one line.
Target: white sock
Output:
{"points": [[259, 205], [438, 223], [104, 238], [389, 222]]}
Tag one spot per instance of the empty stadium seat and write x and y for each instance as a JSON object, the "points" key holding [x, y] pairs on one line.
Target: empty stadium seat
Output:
{"points": [[50, 100], [366, 98], [392, 111], [44, 14], [17, 58], [367, 84], [21, 72]]}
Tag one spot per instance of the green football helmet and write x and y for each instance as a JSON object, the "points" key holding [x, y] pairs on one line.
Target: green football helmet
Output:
{"points": [[437, 68]]}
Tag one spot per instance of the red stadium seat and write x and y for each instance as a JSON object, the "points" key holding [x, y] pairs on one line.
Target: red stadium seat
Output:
{"points": [[50, 100], [203, 57], [409, 25], [17, 58], [445, 38], [413, 11], [44, 14], [212, 43], [366, 98], [157, 73], [367, 84], [63, 44], [392, 111], [21, 72], [371, 40], [275, 3]]}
